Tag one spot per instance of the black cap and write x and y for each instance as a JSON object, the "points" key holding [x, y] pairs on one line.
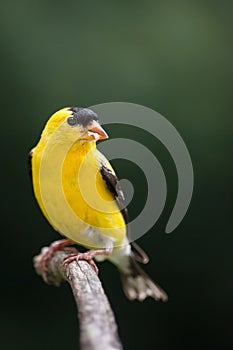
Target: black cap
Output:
{"points": [[84, 116]]}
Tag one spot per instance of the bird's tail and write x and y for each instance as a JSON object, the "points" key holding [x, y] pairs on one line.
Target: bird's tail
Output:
{"points": [[138, 285]]}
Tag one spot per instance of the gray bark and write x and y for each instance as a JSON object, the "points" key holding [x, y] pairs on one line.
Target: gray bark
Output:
{"points": [[98, 329]]}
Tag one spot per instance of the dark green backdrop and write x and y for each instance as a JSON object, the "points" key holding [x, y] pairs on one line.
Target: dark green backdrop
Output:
{"points": [[173, 56]]}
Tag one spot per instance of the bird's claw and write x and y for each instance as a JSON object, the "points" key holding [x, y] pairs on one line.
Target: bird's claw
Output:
{"points": [[87, 256], [48, 254]]}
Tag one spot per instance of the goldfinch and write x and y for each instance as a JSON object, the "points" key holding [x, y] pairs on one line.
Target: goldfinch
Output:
{"points": [[79, 194]]}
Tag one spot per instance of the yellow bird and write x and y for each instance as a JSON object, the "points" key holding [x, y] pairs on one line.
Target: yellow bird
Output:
{"points": [[79, 194]]}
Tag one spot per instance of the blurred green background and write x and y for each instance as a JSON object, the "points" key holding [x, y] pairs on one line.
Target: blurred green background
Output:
{"points": [[172, 56]]}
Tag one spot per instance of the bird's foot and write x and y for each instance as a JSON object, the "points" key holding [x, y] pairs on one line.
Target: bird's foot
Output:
{"points": [[54, 247], [88, 256]]}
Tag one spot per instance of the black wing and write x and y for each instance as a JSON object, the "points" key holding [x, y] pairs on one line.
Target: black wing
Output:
{"points": [[30, 165], [113, 185]]}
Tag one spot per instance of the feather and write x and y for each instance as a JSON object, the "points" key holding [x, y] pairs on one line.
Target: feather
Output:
{"points": [[138, 285], [113, 185], [30, 164]]}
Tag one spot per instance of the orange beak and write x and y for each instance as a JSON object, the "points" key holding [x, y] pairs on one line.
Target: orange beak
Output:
{"points": [[94, 132]]}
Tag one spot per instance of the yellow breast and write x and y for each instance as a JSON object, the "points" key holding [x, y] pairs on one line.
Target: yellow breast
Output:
{"points": [[73, 195]]}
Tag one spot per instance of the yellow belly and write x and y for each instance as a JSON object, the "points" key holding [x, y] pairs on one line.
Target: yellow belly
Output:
{"points": [[73, 196]]}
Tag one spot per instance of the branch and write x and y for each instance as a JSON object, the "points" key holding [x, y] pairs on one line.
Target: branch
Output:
{"points": [[98, 329]]}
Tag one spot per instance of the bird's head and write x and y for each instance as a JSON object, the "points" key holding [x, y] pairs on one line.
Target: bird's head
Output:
{"points": [[75, 124]]}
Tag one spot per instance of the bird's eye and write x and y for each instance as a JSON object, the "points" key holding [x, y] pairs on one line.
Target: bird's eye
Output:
{"points": [[72, 121]]}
